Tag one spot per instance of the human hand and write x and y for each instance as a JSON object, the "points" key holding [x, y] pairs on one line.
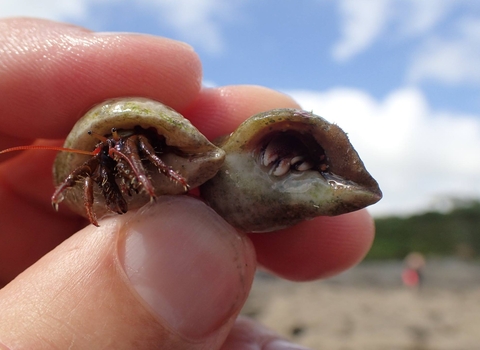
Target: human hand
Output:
{"points": [[171, 275]]}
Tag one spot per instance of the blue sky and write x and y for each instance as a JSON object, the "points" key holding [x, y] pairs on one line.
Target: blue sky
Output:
{"points": [[402, 77], [310, 44]]}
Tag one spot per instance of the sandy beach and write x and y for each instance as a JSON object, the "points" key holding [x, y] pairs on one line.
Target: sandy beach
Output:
{"points": [[369, 308]]}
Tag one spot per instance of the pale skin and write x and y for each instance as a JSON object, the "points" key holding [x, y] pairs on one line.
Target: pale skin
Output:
{"points": [[82, 294]]}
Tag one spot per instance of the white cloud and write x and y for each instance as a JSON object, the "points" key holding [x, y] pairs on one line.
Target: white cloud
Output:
{"points": [[49, 9], [196, 21], [418, 17], [418, 155], [362, 23], [440, 54], [450, 60]]}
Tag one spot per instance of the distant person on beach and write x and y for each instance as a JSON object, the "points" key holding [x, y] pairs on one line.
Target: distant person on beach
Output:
{"points": [[412, 274]]}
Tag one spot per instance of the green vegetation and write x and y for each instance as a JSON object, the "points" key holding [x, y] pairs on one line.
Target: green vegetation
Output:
{"points": [[455, 233]]}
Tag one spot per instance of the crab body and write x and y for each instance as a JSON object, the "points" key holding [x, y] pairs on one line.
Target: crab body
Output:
{"points": [[117, 168]]}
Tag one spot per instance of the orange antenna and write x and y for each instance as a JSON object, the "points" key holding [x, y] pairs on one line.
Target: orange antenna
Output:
{"points": [[97, 136], [115, 134], [50, 148]]}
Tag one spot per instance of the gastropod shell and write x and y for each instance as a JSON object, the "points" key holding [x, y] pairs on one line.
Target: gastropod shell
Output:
{"points": [[278, 168], [140, 149], [284, 166]]}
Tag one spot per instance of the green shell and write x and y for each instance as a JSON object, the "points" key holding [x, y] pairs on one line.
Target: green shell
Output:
{"points": [[197, 160], [252, 199]]}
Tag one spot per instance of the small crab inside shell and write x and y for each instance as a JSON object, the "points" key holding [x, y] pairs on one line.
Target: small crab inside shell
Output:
{"points": [[143, 149], [118, 167]]}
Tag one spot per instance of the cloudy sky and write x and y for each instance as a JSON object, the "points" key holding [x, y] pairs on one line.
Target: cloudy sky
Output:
{"points": [[402, 77]]}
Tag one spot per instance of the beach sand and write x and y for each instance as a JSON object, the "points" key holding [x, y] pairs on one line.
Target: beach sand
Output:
{"points": [[369, 308]]}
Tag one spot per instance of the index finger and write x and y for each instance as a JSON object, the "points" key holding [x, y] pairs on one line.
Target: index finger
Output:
{"points": [[312, 249], [51, 73]]}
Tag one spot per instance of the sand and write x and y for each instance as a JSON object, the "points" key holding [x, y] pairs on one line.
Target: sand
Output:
{"points": [[369, 308]]}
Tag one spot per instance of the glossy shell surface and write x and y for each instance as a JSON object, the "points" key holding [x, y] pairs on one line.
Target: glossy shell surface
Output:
{"points": [[253, 191]]}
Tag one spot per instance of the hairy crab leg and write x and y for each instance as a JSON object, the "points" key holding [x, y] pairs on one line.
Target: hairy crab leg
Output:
{"points": [[104, 176], [128, 181], [83, 170], [88, 200], [147, 148], [129, 154]]}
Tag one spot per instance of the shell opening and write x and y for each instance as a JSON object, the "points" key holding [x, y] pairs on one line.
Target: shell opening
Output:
{"points": [[291, 151], [157, 140]]}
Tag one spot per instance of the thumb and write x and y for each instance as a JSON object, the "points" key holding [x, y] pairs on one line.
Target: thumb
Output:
{"points": [[173, 275]]}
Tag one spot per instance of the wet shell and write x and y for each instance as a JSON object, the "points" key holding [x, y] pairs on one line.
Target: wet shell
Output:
{"points": [[190, 153], [284, 166]]}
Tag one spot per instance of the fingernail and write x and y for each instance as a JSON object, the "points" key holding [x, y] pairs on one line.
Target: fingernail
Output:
{"points": [[191, 267]]}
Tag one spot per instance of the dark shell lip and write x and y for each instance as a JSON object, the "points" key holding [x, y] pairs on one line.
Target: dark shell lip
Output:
{"points": [[331, 137], [251, 199]]}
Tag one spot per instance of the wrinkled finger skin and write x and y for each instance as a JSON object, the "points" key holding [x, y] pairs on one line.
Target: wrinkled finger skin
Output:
{"points": [[51, 73]]}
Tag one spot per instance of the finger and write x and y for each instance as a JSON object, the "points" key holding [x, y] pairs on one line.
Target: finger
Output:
{"points": [[27, 178], [173, 275], [219, 111], [313, 249], [30, 226], [53, 72], [317, 248]]}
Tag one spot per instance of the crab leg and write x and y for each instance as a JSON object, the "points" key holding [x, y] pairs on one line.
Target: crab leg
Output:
{"points": [[129, 154], [147, 149], [88, 200], [83, 170], [105, 178]]}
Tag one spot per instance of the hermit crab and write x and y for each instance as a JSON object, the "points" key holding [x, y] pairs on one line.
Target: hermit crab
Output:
{"points": [[278, 168]]}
